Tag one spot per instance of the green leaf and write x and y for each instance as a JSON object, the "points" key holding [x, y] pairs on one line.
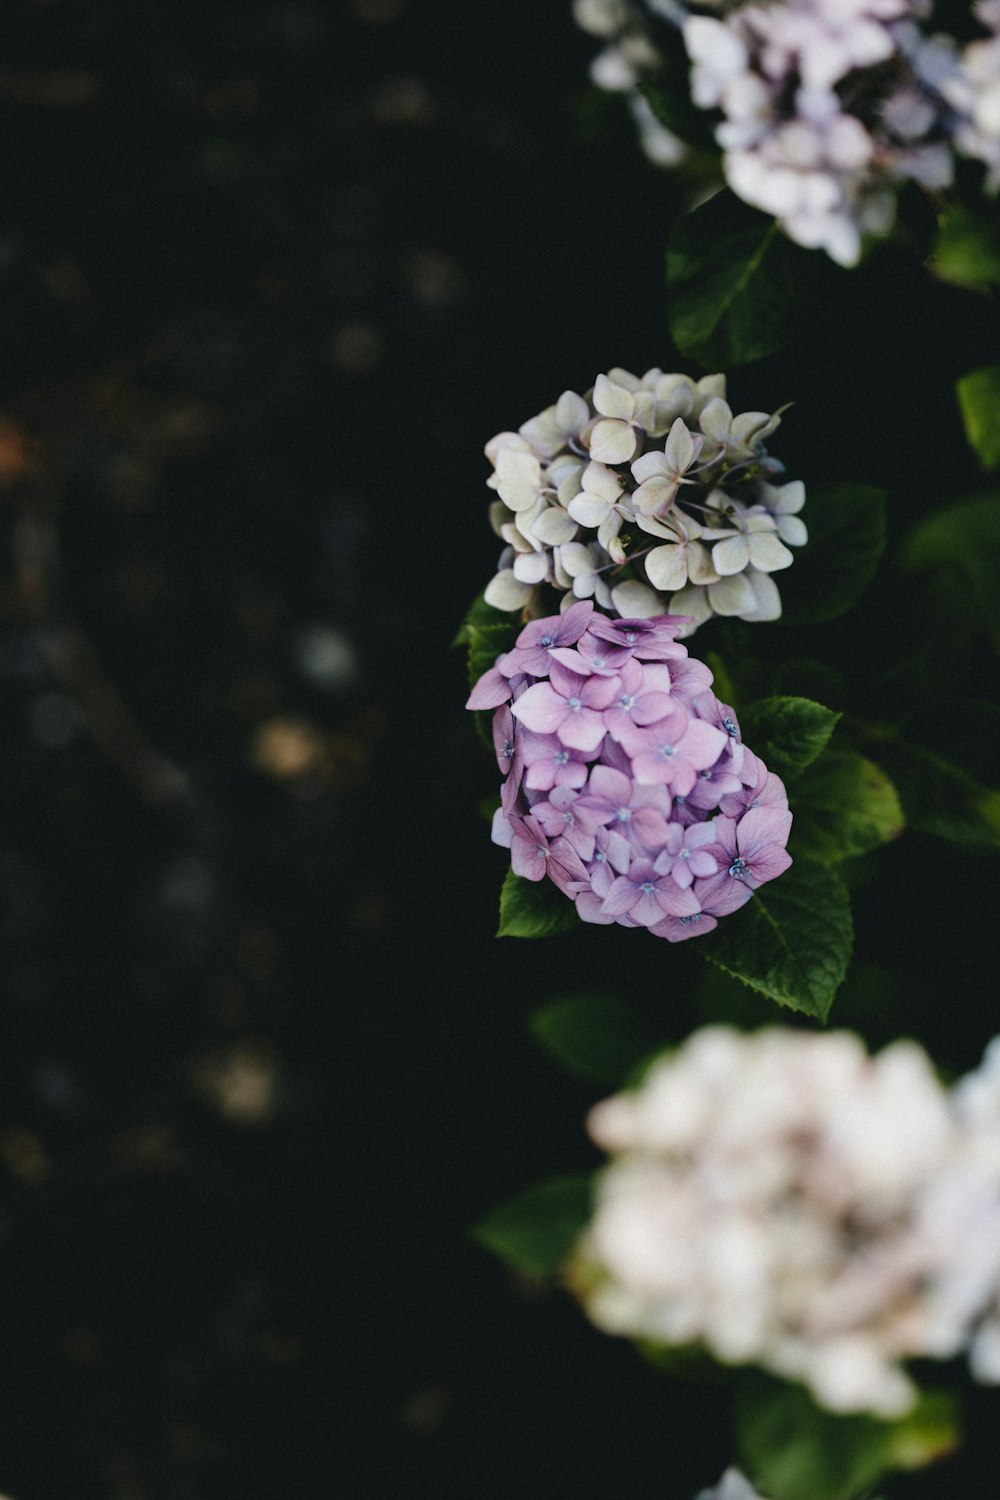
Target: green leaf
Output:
{"points": [[938, 797], [844, 805], [536, 1230], [847, 534], [597, 1037], [962, 544], [787, 733], [792, 941], [486, 633], [533, 908], [795, 1451], [968, 248], [738, 289], [979, 400]]}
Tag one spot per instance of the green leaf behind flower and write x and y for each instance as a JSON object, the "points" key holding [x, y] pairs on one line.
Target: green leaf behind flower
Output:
{"points": [[968, 248], [792, 942], [938, 797], [796, 1451], [535, 1231], [847, 535], [959, 547], [738, 289], [844, 805], [533, 908], [788, 733], [597, 1037], [979, 401]]}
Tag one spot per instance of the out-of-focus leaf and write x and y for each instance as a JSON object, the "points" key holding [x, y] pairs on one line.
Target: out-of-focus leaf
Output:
{"points": [[847, 534], [737, 287], [938, 797], [533, 908], [597, 1037], [787, 733], [979, 400], [536, 1230], [844, 805], [792, 941], [796, 1451], [968, 248], [961, 544]]}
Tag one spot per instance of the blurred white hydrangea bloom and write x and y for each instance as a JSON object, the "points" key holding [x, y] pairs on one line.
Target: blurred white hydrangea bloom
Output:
{"points": [[647, 495], [825, 106], [732, 1486], [785, 1200]]}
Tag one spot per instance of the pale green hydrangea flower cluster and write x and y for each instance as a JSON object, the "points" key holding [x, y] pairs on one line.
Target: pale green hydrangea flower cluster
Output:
{"points": [[648, 495]]}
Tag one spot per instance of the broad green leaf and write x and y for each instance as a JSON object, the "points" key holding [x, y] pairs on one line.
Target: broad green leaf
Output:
{"points": [[796, 1451], [597, 1037], [962, 544], [536, 1230], [979, 400], [787, 733], [792, 941], [967, 249], [533, 908], [737, 288], [847, 533], [938, 797], [844, 805]]}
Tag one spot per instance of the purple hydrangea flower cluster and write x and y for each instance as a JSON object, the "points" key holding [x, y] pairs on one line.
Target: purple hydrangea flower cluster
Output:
{"points": [[627, 782]]}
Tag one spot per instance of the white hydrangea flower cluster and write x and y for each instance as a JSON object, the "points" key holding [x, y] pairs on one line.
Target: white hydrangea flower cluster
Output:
{"points": [[828, 105], [786, 1200], [732, 1486], [649, 496]]}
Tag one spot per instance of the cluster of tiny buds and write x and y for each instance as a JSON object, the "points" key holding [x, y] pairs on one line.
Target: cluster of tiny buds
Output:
{"points": [[627, 782]]}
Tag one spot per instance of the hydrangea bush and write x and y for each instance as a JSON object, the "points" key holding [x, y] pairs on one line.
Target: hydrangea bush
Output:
{"points": [[814, 1221], [627, 782], [648, 495], [821, 109]]}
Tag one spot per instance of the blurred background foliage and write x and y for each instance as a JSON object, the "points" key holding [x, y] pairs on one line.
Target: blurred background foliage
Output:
{"points": [[271, 274]]}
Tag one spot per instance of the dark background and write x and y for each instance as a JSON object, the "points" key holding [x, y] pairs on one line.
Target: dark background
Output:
{"points": [[271, 276]]}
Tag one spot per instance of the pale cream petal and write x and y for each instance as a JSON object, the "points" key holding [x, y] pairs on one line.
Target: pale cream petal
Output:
{"points": [[792, 531], [572, 412], [613, 400], [588, 510], [650, 465], [531, 567], [731, 556], [507, 592], [768, 600], [667, 567], [716, 419], [635, 601], [576, 559], [613, 442], [700, 568], [691, 601], [655, 495], [656, 528], [599, 480], [624, 378], [767, 553], [554, 527], [505, 440], [732, 596]]}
